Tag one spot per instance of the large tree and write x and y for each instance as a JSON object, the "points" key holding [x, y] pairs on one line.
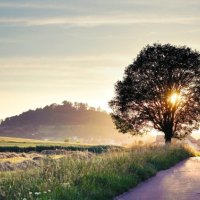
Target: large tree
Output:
{"points": [[160, 89]]}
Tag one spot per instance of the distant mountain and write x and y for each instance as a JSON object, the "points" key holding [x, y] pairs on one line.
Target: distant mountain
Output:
{"points": [[75, 121]]}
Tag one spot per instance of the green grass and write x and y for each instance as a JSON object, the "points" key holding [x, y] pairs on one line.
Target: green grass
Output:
{"points": [[23, 142], [101, 177], [8, 144]]}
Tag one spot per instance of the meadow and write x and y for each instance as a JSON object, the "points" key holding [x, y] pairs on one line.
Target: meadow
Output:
{"points": [[8, 144], [23, 142], [89, 176]]}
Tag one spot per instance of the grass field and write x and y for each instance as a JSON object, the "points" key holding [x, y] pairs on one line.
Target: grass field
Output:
{"points": [[100, 177], [27, 145], [23, 142]]}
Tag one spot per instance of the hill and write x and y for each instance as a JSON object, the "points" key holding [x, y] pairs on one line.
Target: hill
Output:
{"points": [[71, 121]]}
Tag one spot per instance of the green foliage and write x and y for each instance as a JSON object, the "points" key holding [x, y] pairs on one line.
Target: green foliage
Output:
{"points": [[94, 149], [100, 177]]}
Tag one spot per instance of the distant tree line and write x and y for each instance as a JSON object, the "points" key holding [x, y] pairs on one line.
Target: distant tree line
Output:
{"points": [[65, 114]]}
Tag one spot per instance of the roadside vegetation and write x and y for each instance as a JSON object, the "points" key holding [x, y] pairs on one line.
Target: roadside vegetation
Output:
{"points": [[85, 177]]}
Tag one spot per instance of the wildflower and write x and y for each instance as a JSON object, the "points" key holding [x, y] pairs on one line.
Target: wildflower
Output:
{"points": [[45, 192], [49, 190], [24, 198], [30, 193], [37, 193]]}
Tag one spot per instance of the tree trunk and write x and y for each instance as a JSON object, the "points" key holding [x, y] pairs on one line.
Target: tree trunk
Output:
{"points": [[168, 131], [168, 140]]}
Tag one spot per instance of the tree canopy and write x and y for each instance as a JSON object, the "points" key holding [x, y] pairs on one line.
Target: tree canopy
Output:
{"points": [[160, 90]]}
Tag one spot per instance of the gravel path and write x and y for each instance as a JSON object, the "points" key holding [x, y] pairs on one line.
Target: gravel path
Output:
{"points": [[181, 182]]}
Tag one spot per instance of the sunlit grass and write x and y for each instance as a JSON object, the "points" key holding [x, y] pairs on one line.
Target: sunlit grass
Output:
{"points": [[99, 177], [192, 150], [21, 159], [14, 159], [16, 140], [56, 156], [23, 142]]}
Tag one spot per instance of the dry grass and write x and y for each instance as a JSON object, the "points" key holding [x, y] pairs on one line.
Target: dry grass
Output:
{"points": [[192, 150], [14, 160]]}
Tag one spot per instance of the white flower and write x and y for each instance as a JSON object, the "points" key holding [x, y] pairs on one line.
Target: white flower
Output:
{"points": [[30, 193], [49, 190]]}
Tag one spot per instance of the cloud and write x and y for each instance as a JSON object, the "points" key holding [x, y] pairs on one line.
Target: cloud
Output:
{"points": [[30, 5], [63, 68], [93, 21], [68, 59], [10, 41]]}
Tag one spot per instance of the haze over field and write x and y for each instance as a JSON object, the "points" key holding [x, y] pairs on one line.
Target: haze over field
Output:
{"points": [[67, 122], [77, 50]]}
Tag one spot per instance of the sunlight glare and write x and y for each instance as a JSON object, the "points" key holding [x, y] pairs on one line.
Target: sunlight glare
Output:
{"points": [[174, 98]]}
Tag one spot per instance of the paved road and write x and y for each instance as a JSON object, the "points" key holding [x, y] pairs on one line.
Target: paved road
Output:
{"points": [[181, 182]]}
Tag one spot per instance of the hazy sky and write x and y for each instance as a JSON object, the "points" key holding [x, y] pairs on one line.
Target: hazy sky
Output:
{"points": [[76, 50]]}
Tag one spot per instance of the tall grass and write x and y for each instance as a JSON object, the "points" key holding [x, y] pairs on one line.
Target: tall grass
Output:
{"points": [[84, 178]]}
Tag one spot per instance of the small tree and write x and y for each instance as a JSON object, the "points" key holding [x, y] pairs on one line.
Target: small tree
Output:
{"points": [[161, 89]]}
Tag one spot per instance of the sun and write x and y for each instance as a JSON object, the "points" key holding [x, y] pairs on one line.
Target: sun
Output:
{"points": [[174, 98]]}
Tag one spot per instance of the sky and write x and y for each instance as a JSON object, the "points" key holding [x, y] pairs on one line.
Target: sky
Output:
{"points": [[76, 50]]}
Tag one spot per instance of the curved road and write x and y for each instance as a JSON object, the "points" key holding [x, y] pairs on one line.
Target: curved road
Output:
{"points": [[181, 182]]}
